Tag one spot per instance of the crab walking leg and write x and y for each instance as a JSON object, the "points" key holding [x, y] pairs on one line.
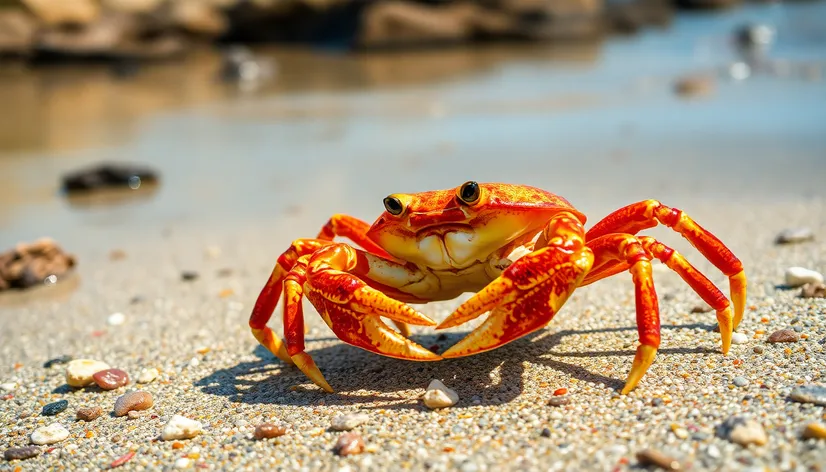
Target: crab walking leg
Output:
{"points": [[626, 248], [268, 298], [646, 214], [527, 295]]}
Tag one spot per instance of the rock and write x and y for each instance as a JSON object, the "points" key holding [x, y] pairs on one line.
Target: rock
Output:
{"points": [[133, 6], [111, 379], [814, 431], [755, 37], [133, 415], [21, 453], [138, 400], [811, 393], [180, 427], [349, 444], [349, 421], [758, 349], [740, 381], [240, 65], [699, 86], [648, 457], [739, 338], [8, 386], [17, 32], [546, 433], [439, 396], [59, 12], [743, 431], [80, 372], [54, 408], [794, 235], [189, 275], [182, 463], [269, 430], [107, 176], [115, 319], [199, 17], [58, 360], [783, 336], [148, 375], [813, 290], [28, 265], [559, 400], [51, 434], [89, 414], [798, 276]]}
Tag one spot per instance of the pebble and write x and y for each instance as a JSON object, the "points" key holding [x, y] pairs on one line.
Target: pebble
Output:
{"points": [[349, 421], [51, 434], [811, 393], [654, 457], [148, 375], [349, 444], [784, 336], [439, 396], [546, 433], [813, 290], [745, 431], [80, 372], [111, 379], [814, 431], [89, 414], [58, 360], [133, 415], [180, 427], [8, 386], [269, 430], [739, 338], [189, 275], [54, 408], [703, 308], [740, 381], [559, 401], [21, 453], [127, 402], [794, 235], [758, 349], [116, 319], [694, 86], [798, 276], [182, 463]]}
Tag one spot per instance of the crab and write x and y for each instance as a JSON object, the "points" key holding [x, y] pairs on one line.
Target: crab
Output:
{"points": [[522, 250]]}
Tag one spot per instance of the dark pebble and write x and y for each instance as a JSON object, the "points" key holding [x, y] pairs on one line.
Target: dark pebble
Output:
{"points": [[441, 337], [269, 430], [55, 407], [108, 175], [784, 336], [700, 436], [189, 275], [657, 402], [89, 414], [657, 458], [349, 444], [546, 433], [810, 394], [21, 453], [58, 360], [111, 379], [559, 401]]}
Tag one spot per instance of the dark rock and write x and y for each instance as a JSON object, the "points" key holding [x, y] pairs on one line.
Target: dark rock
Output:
{"points": [[794, 236], [28, 265], [109, 175], [54, 408], [559, 400], [189, 275], [21, 453], [64, 359], [546, 433], [811, 393]]}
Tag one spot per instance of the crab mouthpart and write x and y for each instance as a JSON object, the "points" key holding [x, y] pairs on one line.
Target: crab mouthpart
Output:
{"points": [[448, 246]]}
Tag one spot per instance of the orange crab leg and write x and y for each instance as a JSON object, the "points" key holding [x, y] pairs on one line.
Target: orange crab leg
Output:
{"points": [[527, 295], [627, 249], [646, 214], [353, 228]]}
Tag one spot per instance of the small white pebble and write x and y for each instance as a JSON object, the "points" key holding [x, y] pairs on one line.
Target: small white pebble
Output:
{"points": [[180, 427], [79, 372], [8, 387], [348, 421], [148, 375], [182, 463], [51, 434], [194, 362], [116, 319], [439, 396], [739, 338], [798, 276]]}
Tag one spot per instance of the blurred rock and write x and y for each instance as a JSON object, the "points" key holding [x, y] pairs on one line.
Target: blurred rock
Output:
{"points": [[240, 65], [199, 17], [133, 6], [694, 86], [17, 32], [33, 264], [107, 176], [629, 16], [61, 12]]}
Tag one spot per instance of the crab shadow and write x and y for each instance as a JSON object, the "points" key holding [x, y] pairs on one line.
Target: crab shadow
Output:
{"points": [[373, 381]]}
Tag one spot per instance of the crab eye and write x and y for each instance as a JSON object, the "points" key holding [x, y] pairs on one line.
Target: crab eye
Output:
{"points": [[469, 192], [393, 206]]}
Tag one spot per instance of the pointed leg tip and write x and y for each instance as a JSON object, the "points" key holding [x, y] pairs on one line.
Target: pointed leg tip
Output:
{"points": [[627, 389]]}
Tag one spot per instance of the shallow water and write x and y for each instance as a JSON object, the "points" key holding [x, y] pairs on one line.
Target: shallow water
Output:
{"points": [[598, 123]]}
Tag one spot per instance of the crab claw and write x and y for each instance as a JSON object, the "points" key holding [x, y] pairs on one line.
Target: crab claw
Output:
{"points": [[523, 299]]}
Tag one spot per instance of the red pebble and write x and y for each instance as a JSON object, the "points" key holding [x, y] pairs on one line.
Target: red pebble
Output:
{"points": [[560, 391], [122, 459], [111, 379]]}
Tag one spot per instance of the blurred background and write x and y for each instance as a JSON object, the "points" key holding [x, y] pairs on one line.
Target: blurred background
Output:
{"points": [[264, 117]]}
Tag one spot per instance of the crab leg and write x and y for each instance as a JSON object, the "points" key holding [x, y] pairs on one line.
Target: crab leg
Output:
{"points": [[646, 214], [330, 279], [527, 295], [627, 249]]}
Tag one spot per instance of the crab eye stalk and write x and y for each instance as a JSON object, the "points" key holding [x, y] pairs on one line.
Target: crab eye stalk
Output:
{"points": [[393, 206], [469, 192]]}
